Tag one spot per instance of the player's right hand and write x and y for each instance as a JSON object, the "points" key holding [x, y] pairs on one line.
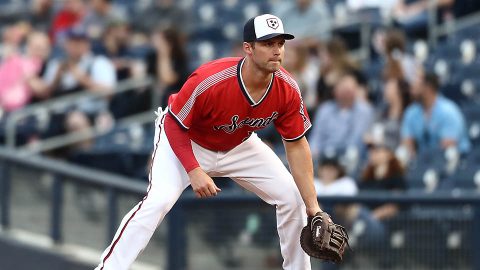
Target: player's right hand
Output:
{"points": [[202, 184]]}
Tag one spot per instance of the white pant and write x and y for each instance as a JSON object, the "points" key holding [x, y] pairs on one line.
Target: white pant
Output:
{"points": [[252, 164]]}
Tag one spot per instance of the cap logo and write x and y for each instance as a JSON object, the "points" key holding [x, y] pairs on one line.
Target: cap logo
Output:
{"points": [[273, 23]]}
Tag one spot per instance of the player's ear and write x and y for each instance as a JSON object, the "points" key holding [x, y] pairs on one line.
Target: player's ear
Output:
{"points": [[248, 47]]}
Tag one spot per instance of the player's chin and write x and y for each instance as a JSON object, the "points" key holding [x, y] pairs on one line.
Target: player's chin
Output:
{"points": [[273, 66]]}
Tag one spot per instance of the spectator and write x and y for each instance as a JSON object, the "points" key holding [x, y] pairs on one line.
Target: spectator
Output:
{"points": [[308, 19], [168, 62], [80, 70], [305, 71], [12, 38], [342, 122], [164, 13], [383, 172], [18, 73], [399, 64], [115, 46], [70, 15], [100, 14], [413, 16], [389, 118], [41, 14], [332, 179], [433, 121], [334, 61]]}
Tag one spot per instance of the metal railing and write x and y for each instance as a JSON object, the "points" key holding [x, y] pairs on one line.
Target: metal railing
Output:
{"points": [[53, 104], [177, 244]]}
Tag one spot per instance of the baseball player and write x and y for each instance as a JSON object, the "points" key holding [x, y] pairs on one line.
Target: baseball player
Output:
{"points": [[209, 131]]}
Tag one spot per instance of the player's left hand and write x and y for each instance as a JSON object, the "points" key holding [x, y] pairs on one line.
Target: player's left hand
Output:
{"points": [[202, 184], [311, 211]]}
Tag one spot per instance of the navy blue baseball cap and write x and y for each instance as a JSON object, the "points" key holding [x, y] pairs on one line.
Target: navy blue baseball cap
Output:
{"points": [[263, 27], [76, 33]]}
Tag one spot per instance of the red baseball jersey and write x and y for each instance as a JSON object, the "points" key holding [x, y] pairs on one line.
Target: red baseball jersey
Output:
{"points": [[219, 114]]}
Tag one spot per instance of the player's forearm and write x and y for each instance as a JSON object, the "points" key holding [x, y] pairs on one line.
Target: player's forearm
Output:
{"points": [[180, 143], [300, 162]]}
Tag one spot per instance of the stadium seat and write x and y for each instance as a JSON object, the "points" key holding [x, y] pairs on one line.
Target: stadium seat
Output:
{"points": [[449, 50], [467, 177], [470, 71], [452, 90], [427, 171], [471, 111]]}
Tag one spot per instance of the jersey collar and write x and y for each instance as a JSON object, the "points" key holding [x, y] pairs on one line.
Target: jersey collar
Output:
{"points": [[244, 89]]}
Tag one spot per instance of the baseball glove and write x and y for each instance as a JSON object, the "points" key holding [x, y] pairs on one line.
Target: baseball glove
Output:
{"points": [[323, 239]]}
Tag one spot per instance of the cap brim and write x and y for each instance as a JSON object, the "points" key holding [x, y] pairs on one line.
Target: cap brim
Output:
{"points": [[284, 35]]}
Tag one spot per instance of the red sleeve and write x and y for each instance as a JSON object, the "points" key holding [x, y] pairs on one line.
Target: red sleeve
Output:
{"points": [[294, 122], [182, 106], [180, 143]]}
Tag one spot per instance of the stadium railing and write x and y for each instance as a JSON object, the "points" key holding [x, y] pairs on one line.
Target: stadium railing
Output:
{"points": [[234, 203], [51, 105]]}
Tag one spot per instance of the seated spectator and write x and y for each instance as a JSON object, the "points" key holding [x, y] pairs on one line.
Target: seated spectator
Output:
{"points": [[165, 13], [168, 62], [399, 64], [413, 16], [334, 61], [305, 71], [383, 172], [19, 73], [80, 70], [307, 19], [388, 121], [99, 15], [342, 122], [41, 14], [70, 15], [433, 121], [115, 46], [12, 38], [332, 179]]}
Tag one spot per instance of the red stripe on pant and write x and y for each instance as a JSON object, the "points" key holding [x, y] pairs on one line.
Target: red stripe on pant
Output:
{"points": [[141, 203]]}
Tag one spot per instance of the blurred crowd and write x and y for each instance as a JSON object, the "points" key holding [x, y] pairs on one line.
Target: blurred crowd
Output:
{"points": [[379, 121], [391, 100]]}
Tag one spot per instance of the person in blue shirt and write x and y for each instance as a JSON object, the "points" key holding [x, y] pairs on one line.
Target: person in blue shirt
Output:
{"points": [[433, 121], [341, 123]]}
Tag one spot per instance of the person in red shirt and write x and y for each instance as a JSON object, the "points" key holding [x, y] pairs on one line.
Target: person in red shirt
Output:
{"points": [[209, 131], [68, 16]]}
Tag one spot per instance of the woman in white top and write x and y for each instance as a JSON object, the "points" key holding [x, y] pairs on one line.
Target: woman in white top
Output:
{"points": [[332, 180]]}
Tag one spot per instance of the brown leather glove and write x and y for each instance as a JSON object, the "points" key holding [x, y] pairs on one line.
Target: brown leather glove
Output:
{"points": [[323, 239]]}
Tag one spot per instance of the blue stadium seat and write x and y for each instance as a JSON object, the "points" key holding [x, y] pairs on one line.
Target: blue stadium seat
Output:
{"points": [[464, 178], [453, 91], [461, 71], [210, 33], [448, 50], [471, 111], [427, 171], [206, 13], [471, 32], [474, 156]]}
